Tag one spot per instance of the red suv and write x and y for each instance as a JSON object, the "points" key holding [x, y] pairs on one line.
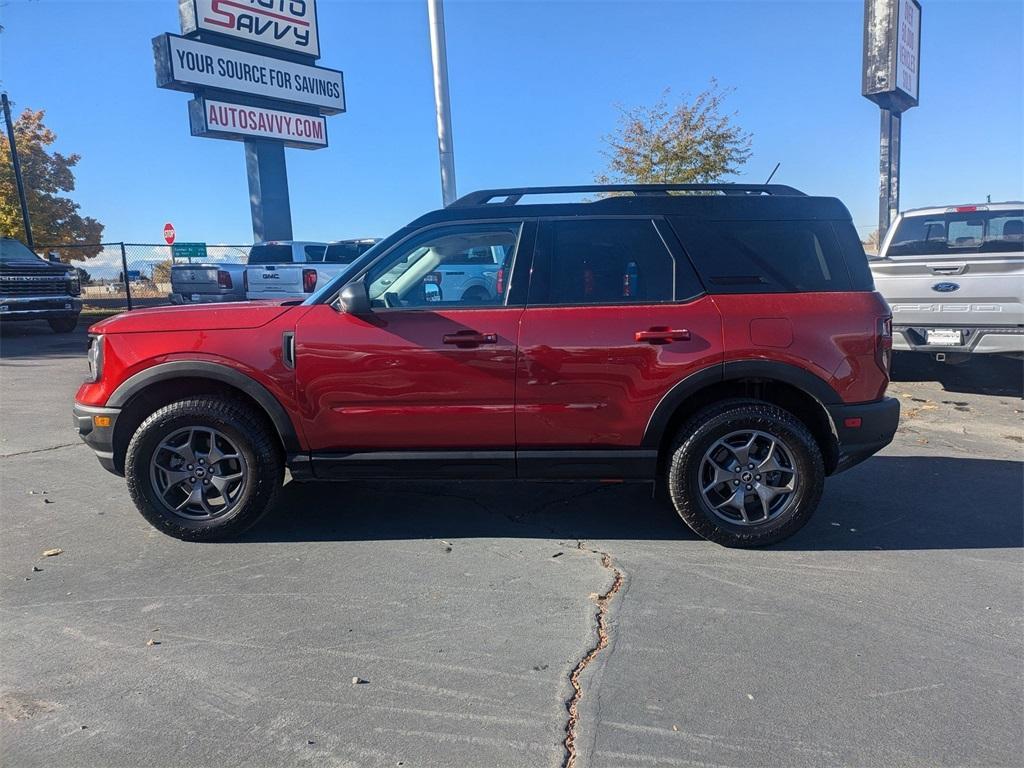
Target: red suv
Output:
{"points": [[726, 341]]}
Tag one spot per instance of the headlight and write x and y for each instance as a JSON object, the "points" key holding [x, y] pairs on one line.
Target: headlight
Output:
{"points": [[75, 283], [95, 356]]}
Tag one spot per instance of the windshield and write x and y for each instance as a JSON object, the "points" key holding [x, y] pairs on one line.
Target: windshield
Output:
{"points": [[964, 231], [14, 252], [270, 254]]}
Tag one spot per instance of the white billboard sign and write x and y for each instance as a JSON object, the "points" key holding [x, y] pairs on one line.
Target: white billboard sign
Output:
{"points": [[184, 65], [287, 24], [908, 43], [224, 120]]}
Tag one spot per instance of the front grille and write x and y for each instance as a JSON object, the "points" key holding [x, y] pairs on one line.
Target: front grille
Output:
{"points": [[33, 288]]}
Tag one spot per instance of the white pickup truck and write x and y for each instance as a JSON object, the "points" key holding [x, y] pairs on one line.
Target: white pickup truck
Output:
{"points": [[293, 269], [954, 278]]}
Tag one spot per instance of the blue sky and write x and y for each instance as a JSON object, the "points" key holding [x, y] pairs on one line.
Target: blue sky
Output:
{"points": [[533, 88]]}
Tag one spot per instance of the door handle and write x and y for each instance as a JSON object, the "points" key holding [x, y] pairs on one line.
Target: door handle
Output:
{"points": [[466, 339], [663, 335]]}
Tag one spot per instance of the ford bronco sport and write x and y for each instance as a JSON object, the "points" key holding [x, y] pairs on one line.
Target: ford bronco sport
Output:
{"points": [[726, 342]]}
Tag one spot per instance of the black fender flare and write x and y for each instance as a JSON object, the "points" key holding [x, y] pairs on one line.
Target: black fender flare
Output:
{"points": [[201, 369], [735, 370]]}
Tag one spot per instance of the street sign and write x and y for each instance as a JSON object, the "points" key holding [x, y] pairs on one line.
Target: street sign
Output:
{"points": [[185, 65], [169, 233], [287, 24], [189, 251], [224, 120], [892, 53]]}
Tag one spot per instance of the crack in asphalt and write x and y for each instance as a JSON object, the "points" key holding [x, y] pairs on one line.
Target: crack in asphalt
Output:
{"points": [[601, 617], [39, 450]]}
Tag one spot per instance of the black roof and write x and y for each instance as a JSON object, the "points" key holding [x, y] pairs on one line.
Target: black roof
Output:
{"points": [[707, 201]]}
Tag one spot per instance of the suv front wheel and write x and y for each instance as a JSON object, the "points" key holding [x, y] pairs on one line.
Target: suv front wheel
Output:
{"points": [[203, 469], [745, 473]]}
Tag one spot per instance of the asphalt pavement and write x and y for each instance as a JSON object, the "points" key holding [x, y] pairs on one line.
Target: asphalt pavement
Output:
{"points": [[440, 624]]}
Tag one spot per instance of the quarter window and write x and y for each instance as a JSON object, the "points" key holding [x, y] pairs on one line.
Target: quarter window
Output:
{"points": [[765, 256]]}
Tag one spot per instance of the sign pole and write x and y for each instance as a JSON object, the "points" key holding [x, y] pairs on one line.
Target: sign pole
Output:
{"points": [[889, 171], [268, 190], [18, 180], [442, 105]]}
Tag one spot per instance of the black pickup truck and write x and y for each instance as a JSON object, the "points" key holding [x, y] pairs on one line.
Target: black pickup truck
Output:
{"points": [[32, 288]]}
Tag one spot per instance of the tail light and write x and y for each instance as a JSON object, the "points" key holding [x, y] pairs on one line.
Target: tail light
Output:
{"points": [[308, 280], [883, 344], [245, 280], [499, 282], [224, 279]]}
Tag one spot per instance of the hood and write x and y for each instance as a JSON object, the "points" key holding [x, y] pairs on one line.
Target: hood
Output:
{"points": [[204, 317]]}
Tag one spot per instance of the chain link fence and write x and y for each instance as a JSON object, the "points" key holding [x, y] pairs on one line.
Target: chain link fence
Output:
{"points": [[122, 276]]}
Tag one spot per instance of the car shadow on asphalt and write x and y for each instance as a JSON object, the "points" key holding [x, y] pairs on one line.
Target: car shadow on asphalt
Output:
{"points": [[35, 340], [886, 503], [981, 375]]}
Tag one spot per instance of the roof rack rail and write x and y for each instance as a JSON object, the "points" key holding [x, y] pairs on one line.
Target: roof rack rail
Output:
{"points": [[513, 195]]}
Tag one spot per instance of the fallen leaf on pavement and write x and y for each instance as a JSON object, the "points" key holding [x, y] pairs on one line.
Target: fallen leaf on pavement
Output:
{"points": [[52, 552]]}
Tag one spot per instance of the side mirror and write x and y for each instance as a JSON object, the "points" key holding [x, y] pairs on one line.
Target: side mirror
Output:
{"points": [[354, 299]]}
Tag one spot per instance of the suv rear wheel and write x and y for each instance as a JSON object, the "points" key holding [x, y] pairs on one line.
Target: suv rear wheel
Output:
{"points": [[745, 473], [203, 469]]}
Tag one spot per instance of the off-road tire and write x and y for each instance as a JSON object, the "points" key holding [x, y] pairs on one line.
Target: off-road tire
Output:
{"points": [[701, 431], [250, 433], [63, 324]]}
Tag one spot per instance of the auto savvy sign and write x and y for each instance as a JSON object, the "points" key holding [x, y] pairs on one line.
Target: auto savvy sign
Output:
{"points": [[287, 24], [223, 120]]}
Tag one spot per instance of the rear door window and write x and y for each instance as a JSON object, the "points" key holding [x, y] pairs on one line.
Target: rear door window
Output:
{"points": [[959, 232], [765, 256], [314, 252], [606, 261], [344, 253]]}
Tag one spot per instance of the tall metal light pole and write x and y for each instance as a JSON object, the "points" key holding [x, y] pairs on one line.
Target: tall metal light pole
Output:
{"points": [[16, 164], [439, 60]]}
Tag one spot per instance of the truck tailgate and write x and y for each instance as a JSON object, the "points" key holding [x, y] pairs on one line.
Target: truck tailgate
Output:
{"points": [[271, 280], [976, 291], [188, 278]]}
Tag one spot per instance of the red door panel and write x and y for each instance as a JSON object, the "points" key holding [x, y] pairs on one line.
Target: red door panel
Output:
{"points": [[393, 382], [586, 380]]}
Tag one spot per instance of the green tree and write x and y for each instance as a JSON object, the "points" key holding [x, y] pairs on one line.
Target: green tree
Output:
{"points": [[691, 141], [55, 218]]}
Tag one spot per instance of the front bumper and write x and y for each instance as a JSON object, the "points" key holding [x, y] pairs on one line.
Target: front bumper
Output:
{"points": [[1005, 340], [861, 439], [96, 428], [38, 307]]}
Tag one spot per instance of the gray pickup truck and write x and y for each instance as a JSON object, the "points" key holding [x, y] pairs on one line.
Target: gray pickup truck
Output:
{"points": [[954, 278], [207, 283], [32, 288]]}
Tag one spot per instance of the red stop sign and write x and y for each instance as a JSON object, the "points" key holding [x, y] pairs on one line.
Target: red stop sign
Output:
{"points": [[169, 233]]}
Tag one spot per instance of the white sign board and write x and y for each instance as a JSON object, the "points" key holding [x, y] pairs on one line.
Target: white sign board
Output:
{"points": [[184, 64], [286, 24], [908, 43], [223, 120]]}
